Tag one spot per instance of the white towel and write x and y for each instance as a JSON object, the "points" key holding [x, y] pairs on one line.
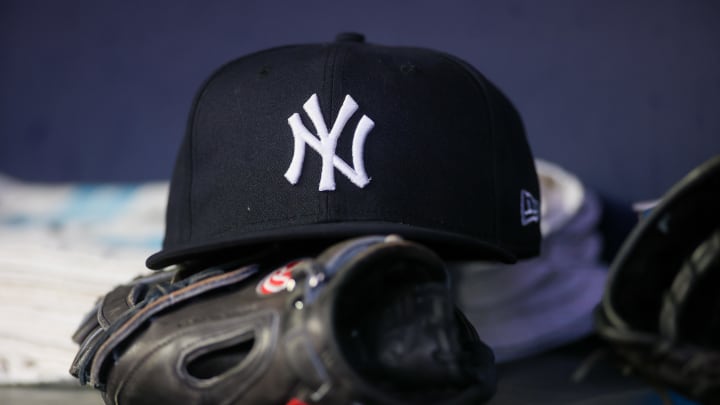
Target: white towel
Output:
{"points": [[540, 303], [61, 247]]}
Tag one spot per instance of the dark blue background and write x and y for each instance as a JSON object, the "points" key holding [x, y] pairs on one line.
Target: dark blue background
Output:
{"points": [[624, 93]]}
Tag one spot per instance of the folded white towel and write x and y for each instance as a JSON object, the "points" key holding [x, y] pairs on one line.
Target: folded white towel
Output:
{"points": [[61, 247], [540, 303]]}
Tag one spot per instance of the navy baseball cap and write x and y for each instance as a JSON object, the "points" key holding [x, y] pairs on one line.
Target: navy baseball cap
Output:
{"points": [[308, 143]]}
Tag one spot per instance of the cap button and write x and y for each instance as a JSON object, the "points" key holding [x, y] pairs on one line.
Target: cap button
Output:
{"points": [[349, 37]]}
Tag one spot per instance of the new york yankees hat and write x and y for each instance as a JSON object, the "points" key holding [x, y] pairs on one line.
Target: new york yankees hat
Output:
{"points": [[308, 143]]}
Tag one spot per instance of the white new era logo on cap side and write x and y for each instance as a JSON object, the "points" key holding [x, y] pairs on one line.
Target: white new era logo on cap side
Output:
{"points": [[529, 208], [326, 142]]}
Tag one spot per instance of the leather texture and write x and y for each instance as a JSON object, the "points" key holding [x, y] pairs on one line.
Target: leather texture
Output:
{"points": [[371, 320]]}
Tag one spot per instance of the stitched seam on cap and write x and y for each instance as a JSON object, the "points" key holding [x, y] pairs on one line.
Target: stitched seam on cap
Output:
{"points": [[332, 116], [192, 163], [194, 112], [477, 78]]}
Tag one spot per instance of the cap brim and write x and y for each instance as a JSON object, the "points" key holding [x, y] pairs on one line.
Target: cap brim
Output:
{"points": [[446, 244]]}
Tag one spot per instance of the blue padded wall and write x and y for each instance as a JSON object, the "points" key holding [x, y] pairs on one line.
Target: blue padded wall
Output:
{"points": [[625, 94]]}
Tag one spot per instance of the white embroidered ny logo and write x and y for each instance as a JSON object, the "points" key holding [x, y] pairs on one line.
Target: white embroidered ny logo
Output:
{"points": [[326, 142]]}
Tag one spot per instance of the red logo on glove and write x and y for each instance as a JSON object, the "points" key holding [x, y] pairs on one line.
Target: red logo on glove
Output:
{"points": [[277, 280]]}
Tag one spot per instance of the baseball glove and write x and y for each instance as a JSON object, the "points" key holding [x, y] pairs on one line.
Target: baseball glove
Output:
{"points": [[661, 308], [369, 321]]}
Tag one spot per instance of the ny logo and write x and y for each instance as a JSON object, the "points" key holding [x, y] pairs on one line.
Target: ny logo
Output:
{"points": [[326, 142]]}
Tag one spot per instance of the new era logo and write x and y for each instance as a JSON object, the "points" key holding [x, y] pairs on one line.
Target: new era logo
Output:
{"points": [[325, 142], [529, 208]]}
